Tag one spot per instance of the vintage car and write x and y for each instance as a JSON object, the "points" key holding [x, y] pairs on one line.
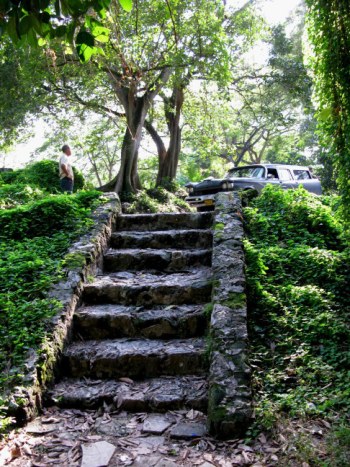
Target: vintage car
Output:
{"points": [[253, 178]]}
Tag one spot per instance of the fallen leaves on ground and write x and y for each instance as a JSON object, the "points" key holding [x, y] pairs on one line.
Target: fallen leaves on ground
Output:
{"points": [[56, 438]]}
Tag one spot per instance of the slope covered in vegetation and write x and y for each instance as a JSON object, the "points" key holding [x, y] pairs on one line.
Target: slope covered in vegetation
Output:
{"points": [[298, 271], [36, 230]]}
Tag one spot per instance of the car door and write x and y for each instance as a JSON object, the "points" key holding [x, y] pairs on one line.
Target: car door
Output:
{"points": [[304, 178], [286, 178]]}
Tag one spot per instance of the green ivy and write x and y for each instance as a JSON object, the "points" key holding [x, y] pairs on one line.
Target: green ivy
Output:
{"points": [[298, 268], [34, 240], [329, 33], [42, 175]]}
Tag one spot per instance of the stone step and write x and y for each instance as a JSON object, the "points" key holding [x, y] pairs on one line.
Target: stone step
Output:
{"points": [[184, 239], [111, 321], [138, 288], [134, 358], [164, 221], [151, 259], [155, 394]]}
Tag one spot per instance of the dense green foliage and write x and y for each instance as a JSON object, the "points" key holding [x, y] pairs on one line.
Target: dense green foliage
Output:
{"points": [[37, 22], [156, 200], [298, 271], [329, 32], [43, 175], [34, 238]]}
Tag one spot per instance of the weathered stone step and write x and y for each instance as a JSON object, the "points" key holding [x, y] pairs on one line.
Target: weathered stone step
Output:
{"points": [[151, 259], [133, 288], [134, 358], [110, 321], [184, 239], [164, 221], [155, 394]]}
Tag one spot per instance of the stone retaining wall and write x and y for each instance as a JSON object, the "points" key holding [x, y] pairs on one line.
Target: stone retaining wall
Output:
{"points": [[83, 259], [229, 410]]}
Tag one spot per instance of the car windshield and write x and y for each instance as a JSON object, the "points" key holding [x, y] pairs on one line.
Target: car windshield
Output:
{"points": [[246, 172]]}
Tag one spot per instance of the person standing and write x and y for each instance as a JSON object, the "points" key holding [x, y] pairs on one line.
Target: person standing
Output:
{"points": [[66, 171]]}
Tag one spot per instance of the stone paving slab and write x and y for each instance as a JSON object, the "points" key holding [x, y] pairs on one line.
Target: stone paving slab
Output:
{"points": [[97, 454], [155, 259], [111, 320], [154, 394], [185, 239], [129, 288], [164, 221], [156, 424], [188, 430], [134, 358]]}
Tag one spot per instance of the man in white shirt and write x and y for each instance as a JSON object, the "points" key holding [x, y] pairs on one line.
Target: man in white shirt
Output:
{"points": [[66, 171]]}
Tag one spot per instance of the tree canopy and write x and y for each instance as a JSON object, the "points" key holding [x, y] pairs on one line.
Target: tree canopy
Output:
{"points": [[38, 21], [329, 32]]}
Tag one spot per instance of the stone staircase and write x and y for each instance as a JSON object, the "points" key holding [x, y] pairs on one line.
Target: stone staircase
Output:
{"points": [[139, 337]]}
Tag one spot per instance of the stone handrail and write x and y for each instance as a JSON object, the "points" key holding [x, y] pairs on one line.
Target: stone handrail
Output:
{"points": [[229, 409]]}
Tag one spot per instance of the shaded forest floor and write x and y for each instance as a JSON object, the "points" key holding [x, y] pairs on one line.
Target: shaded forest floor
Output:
{"points": [[58, 437]]}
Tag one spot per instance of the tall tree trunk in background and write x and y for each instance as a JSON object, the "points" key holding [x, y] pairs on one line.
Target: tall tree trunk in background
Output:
{"points": [[168, 158], [169, 162], [136, 109]]}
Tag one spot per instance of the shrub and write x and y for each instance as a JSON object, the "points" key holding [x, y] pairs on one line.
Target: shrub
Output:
{"points": [[42, 218], [154, 200], [16, 194], [43, 174]]}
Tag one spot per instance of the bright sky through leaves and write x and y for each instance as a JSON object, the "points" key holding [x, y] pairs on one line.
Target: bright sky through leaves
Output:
{"points": [[275, 11]]}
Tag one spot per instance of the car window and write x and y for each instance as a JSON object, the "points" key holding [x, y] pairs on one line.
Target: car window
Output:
{"points": [[272, 172], [301, 174], [247, 172], [285, 174]]}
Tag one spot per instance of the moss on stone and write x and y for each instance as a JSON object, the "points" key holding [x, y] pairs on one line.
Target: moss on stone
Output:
{"points": [[219, 226], [207, 309], [74, 260], [216, 412], [235, 300]]}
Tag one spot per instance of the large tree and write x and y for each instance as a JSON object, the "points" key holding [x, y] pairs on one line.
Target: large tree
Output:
{"points": [[266, 108], [140, 51], [240, 27], [329, 32]]}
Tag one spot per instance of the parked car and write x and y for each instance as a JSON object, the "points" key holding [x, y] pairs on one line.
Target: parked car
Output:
{"points": [[251, 177]]}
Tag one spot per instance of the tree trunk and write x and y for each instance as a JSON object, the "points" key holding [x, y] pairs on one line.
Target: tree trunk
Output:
{"points": [[168, 160], [136, 109]]}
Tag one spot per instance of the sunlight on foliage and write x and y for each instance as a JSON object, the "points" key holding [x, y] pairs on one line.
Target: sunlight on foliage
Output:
{"points": [[297, 274]]}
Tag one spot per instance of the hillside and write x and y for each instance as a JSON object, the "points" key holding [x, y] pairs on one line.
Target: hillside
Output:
{"points": [[297, 255]]}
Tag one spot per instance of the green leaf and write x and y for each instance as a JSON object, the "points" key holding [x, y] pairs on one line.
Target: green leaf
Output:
{"points": [[58, 7], [60, 31], [102, 38], [31, 38], [325, 114], [85, 52], [25, 24], [126, 5], [12, 29], [85, 38]]}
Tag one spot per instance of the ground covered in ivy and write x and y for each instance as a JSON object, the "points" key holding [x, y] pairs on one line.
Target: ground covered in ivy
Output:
{"points": [[298, 271]]}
